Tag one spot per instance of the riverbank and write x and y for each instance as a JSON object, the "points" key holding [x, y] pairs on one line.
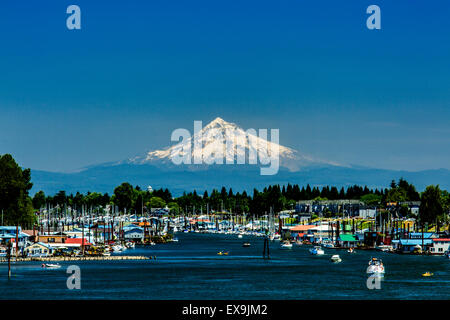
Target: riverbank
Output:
{"points": [[100, 258]]}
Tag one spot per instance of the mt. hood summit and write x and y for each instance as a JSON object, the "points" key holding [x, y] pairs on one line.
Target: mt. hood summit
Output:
{"points": [[213, 139]]}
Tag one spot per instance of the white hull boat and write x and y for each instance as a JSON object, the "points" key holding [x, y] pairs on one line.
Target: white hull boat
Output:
{"points": [[375, 267], [286, 246], [336, 258], [51, 266], [317, 251]]}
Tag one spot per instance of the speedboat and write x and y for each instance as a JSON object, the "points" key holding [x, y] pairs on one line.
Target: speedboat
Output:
{"points": [[118, 248], [175, 240], [51, 266], [336, 258], [317, 250], [385, 248], [286, 245], [246, 244], [375, 266], [240, 236]]}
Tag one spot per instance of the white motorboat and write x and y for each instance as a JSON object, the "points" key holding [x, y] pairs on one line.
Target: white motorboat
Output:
{"points": [[385, 248], [317, 250], [51, 266], [375, 267], [240, 236], [286, 245], [118, 248], [336, 258], [175, 240]]}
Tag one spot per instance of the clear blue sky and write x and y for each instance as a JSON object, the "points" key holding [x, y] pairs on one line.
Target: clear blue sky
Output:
{"points": [[139, 69]]}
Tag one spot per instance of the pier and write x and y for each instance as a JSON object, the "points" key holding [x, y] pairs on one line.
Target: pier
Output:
{"points": [[86, 258]]}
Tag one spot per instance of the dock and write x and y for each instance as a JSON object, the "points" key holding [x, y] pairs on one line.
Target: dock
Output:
{"points": [[85, 258]]}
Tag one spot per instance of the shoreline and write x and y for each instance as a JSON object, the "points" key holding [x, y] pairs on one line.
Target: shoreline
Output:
{"points": [[100, 258]]}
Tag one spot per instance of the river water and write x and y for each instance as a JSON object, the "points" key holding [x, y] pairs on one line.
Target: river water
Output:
{"points": [[191, 269]]}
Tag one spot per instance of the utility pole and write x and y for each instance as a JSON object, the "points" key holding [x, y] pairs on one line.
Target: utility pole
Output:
{"points": [[8, 255], [82, 230]]}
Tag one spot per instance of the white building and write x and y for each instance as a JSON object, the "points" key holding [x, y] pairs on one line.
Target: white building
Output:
{"points": [[440, 246]]}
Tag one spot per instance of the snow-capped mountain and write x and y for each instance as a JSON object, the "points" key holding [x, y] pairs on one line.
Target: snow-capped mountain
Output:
{"points": [[156, 168], [231, 143]]}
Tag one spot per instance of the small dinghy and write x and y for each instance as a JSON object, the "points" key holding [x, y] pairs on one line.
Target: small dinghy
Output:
{"points": [[286, 245], [336, 258], [51, 266], [427, 274]]}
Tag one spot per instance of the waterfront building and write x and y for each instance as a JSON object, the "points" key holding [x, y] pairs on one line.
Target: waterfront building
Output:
{"points": [[412, 245], [52, 238], [349, 208], [71, 243], [133, 233], [440, 246], [300, 231], [8, 234], [38, 249], [348, 240]]}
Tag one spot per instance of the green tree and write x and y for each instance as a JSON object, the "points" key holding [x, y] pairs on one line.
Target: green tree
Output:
{"points": [[39, 200], [371, 199], [431, 207], [173, 207], [15, 184], [123, 196], [156, 202]]}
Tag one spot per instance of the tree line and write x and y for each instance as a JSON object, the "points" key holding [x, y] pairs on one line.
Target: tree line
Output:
{"points": [[18, 207]]}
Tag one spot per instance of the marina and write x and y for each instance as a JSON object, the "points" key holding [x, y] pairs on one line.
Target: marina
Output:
{"points": [[192, 269]]}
